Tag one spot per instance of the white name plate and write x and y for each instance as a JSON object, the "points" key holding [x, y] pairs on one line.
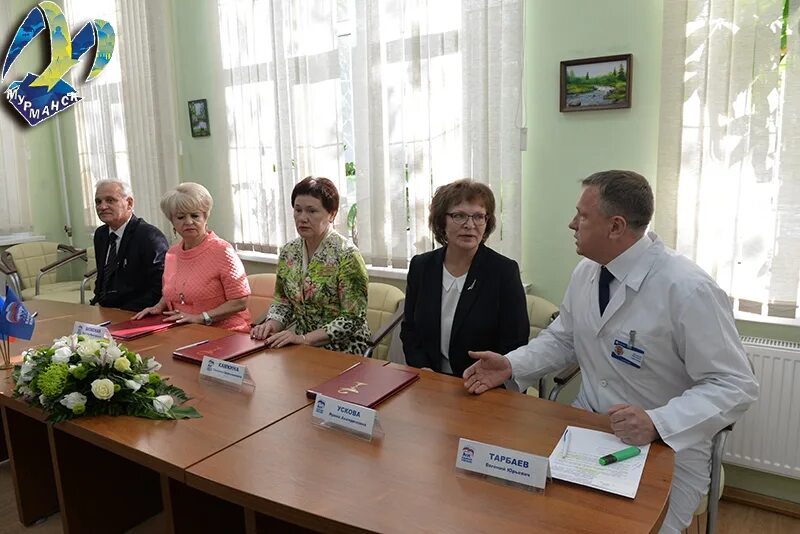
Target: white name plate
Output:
{"points": [[499, 462], [92, 330], [347, 415], [230, 373]]}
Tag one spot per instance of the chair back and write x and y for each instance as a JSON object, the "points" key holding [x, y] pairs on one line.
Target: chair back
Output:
{"points": [[29, 258], [262, 293], [382, 302], [540, 314]]}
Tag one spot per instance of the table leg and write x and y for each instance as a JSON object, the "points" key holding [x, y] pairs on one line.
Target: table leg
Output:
{"points": [[100, 491], [31, 468], [195, 511], [3, 438]]}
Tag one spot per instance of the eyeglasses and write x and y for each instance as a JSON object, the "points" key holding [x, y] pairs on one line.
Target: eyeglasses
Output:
{"points": [[479, 219]]}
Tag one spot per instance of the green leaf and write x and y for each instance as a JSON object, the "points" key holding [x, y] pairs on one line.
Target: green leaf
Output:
{"points": [[185, 412]]}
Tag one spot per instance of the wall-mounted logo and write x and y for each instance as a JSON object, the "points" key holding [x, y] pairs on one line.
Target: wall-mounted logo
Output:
{"points": [[39, 97]]}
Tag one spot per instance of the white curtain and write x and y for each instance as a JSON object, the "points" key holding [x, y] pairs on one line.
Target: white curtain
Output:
{"points": [[15, 216], [388, 99], [729, 160], [126, 121]]}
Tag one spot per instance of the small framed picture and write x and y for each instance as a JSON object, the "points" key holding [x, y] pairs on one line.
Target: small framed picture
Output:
{"points": [[596, 83], [198, 118]]}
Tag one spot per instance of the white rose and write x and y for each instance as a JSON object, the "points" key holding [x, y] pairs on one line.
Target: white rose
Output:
{"points": [[61, 342], [74, 399], [152, 365], [62, 355], [163, 403], [142, 378], [113, 352], [103, 388], [133, 384], [122, 364]]}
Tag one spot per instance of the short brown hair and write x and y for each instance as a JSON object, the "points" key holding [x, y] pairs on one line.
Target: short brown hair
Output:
{"points": [[624, 193], [447, 196], [320, 188]]}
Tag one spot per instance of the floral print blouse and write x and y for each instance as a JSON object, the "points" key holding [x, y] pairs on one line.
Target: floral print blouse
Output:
{"points": [[331, 293]]}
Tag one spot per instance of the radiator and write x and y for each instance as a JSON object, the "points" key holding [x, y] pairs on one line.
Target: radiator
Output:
{"points": [[767, 437]]}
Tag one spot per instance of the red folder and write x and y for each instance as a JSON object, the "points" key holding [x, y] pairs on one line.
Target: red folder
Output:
{"points": [[366, 384], [228, 348], [128, 330]]}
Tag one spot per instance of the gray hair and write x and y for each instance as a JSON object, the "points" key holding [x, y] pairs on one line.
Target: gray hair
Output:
{"points": [[624, 193], [124, 187], [188, 197]]}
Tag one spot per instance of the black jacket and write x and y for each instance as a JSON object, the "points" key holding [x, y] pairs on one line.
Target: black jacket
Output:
{"points": [[140, 264], [491, 314]]}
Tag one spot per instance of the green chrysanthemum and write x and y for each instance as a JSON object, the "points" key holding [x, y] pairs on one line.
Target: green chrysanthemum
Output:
{"points": [[51, 381]]}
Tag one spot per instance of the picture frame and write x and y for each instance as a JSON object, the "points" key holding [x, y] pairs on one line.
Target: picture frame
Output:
{"points": [[596, 83], [198, 118]]}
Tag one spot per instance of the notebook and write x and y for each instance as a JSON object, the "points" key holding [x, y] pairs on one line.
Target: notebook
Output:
{"points": [[366, 384], [228, 348], [128, 330]]}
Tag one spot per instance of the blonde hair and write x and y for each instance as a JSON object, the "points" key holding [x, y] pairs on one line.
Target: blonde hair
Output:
{"points": [[188, 197]]}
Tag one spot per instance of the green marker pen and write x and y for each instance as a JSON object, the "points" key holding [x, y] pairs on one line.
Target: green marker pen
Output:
{"points": [[618, 456]]}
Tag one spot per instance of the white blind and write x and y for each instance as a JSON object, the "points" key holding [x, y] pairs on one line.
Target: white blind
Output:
{"points": [[388, 99], [729, 161]]}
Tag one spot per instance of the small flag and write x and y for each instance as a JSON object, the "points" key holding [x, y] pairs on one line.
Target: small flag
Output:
{"points": [[15, 320]]}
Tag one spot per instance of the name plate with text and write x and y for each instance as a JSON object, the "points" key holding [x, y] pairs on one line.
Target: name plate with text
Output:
{"points": [[498, 462], [92, 330], [226, 372], [346, 415]]}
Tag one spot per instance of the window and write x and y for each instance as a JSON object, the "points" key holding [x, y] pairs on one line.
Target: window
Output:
{"points": [[729, 164], [387, 99]]}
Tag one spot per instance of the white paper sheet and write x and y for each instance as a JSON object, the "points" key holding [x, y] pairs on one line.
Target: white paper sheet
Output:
{"points": [[581, 466]]}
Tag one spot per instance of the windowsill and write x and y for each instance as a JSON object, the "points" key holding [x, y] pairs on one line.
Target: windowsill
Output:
{"points": [[390, 273], [764, 319], [15, 239]]}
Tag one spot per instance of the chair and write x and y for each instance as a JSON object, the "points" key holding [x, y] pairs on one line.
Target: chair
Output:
{"points": [[31, 269], [262, 293], [384, 311], [541, 312], [87, 284]]}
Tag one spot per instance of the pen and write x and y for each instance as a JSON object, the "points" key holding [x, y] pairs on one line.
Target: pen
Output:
{"points": [[352, 366], [104, 323], [618, 456], [565, 448], [191, 345], [34, 314]]}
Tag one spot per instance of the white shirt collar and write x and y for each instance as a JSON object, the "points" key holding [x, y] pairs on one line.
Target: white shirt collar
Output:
{"points": [[448, 280], [623, 264], [121, 230]]}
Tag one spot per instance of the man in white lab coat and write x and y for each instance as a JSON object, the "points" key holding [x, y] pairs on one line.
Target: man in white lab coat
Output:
{"points": [[654, 336]]}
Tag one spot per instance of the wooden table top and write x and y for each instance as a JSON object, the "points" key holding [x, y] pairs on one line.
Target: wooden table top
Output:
{"points": [[281, 377], [407, 481]]}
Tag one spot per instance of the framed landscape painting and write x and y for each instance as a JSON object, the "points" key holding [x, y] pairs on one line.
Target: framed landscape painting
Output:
{"points": [[596, 83]]}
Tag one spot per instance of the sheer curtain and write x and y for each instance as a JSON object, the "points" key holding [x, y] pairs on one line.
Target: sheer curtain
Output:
{"points": [[729, 161], [388, 99], [126, 121], [15, 216]]}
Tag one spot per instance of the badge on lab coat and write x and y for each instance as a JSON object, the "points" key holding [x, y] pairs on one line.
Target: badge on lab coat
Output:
{"points": [[627, 354]]}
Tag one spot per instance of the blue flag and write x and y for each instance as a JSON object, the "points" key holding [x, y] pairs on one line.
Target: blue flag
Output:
{"points": [[15, 320]]}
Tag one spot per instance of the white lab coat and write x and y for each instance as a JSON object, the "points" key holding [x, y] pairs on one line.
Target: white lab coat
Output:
{"points": [[694, 379]]}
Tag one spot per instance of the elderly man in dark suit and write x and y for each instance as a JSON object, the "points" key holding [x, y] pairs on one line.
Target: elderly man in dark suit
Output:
{"points": [[130, 252]]}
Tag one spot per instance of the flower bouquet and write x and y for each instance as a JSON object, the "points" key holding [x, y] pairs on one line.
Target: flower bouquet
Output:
{"points": [[81, 375]]}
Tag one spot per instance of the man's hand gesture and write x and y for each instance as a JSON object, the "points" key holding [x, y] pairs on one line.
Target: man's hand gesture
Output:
{"points": [[488, 372]]}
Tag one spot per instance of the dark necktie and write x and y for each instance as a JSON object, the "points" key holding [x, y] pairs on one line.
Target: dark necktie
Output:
{"points": [[604, 286], [111, 262]]}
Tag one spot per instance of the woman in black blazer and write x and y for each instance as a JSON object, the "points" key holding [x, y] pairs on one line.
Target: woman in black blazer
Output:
{"points": [[464, 287]]}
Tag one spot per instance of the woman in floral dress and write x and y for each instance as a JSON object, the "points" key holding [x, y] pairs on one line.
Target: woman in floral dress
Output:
{"points": [[322, 280]]}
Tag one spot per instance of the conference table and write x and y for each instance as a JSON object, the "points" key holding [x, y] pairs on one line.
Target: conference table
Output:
{"points": [[255, 462]]}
